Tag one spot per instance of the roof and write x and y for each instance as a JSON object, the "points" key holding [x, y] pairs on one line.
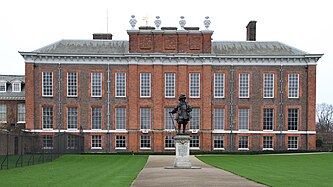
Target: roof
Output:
{"points": [[103, 47], [9, 95]]}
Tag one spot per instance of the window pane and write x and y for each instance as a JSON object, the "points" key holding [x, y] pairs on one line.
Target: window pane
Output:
{"points": [[145, 142], [72, 118], [243, 119], [243, 142], [218, 118], [47, 142], [268, 85], [169, 142], [292, 142], [244, 85], [218, 142], [96, 118], [293, 84], [145, 118], [47, 82], [96, 84], [120, 118], [120, 84], [195, 85], [144, 84], [168, 124], [293, 119], [3, 113], [21, 112], [16, 87], [169, 85], [47, 117], [120, 141], [268, 119], [3, 86], [218, 85], [96, 141], [72, 84], [195, 142], [195, 121], [268, 142]]}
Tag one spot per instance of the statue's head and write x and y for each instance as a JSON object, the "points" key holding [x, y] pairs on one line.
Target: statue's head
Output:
{"points": [[182, 97]]}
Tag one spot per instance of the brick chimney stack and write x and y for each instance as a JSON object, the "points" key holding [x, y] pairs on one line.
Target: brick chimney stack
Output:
{"points": [[102, 36], [251, 31]]}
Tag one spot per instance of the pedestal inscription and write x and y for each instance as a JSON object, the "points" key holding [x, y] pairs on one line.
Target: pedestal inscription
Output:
{"points": [[182, 151]]}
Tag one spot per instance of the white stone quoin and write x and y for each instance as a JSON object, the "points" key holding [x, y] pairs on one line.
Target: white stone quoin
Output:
{"points": [[182, 151]]}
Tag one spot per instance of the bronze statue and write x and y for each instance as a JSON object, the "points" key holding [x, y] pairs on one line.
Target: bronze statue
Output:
{"points": [[183, 110]]}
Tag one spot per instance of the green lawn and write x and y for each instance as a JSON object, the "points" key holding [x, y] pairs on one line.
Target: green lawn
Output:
{"points": [[278, 170], [77, 170]]}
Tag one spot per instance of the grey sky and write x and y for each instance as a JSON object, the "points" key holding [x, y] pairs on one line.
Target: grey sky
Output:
{"points": [[304, 24]]}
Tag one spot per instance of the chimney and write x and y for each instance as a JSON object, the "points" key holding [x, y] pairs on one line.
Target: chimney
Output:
{"points": [[251, 31], [102, 36]]}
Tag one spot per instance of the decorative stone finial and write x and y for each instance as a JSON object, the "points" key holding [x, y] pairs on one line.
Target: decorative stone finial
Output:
{"points": [[207, 22], [157, 22], [133, 22], [182, 22]]}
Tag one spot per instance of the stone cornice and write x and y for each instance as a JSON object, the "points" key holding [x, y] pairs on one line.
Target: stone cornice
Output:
{"points": [[170, 59]]}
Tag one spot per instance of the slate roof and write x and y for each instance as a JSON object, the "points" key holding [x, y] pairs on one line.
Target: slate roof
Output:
{"points": [[9, 95], [104, 47]]}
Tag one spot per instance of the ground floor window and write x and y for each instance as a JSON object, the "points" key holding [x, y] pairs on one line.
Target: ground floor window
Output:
{"points": [[169, 142], [268, 143], [195, 142], [120, 142], [47, 142], [71, 142], [218, 142], [145, 142], [96, 142], [243, 143], [292, 142]]}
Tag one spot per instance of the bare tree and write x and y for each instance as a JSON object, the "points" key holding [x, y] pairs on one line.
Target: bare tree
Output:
{"points": [[324, 118]]}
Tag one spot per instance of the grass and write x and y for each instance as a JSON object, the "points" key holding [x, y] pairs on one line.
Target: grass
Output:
{"points": [[77, 170], [278, 170]]}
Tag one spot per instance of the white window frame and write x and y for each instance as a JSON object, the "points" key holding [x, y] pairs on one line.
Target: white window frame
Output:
{"points": [[170, 87], [98, 84], [3, 113], [16, 85], [119, 85], [241, 119], [143, 117], [77, 118], [291, 85], [196, 119], [120, 139], [120, 115], [144, 89], [46, 141], [75, 87], [289, 118], [48, 116], [242, 88], [239, 141], [194, 89], [195, 141], [95, 117], [98, 140], [219, 117], [168, 125], [219, 87], [143, 144], [4, 85], [169, 143], [50, 87], [265, 117], [216, 139], [266, 84], [265, 141], [290, 141], [21, 113]]}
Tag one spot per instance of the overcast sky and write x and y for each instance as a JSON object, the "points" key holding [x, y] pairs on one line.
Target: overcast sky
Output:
{"points": [[26, 25]]}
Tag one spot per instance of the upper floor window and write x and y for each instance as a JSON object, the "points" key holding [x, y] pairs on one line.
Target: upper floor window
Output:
{"points": [[3, 86], [47, 118], [243, 119], [219, 85], [218, 118], [145, 83], [144, 118], [16, 86], [72, 118], [195, 85], [3, 113], [293, 119], [120, 118], [293, 85], [96, 84], [21, 113], [96, 118], [120, 84], [268, 119], [72, 84], [195, 121], [244, 85], [168, 125], [47, 84], [170, 85], [269, 85]]}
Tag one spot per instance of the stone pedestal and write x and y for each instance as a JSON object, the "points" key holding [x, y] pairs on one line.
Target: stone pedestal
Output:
{"points": [[182, 151]]}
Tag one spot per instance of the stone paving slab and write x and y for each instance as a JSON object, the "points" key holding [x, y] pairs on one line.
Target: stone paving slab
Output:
{"points": [[155, 174]]}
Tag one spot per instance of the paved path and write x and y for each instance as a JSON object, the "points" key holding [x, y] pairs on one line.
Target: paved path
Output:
{"points": [[154, 174]]}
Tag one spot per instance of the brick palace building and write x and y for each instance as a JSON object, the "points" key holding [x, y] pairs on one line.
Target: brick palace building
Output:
{"points": [[246, 95]]}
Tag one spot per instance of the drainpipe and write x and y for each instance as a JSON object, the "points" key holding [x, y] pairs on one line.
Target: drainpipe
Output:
{"points": [[108, 149], [231, 92], [281, 107]]}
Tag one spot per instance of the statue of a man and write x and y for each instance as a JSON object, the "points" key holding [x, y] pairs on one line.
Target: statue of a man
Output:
{"points": [[183, 110]]}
